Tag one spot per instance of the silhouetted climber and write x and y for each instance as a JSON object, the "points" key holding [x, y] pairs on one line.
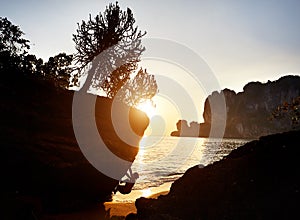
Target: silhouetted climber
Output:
{"points": [[126, 189]]}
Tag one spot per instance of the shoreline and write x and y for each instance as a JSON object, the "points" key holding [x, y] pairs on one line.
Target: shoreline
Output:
{"points": [[123, 208], [119, 209], [137, 193]]}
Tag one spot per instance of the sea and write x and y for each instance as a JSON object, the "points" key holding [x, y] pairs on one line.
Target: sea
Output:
{"points": [[162, 160]]}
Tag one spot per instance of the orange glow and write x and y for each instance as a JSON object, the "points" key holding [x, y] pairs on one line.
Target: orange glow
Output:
{"points": [[163, 116]]}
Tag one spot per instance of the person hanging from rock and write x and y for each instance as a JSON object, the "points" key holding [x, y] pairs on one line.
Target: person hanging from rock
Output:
{"points": [[126, 189]]}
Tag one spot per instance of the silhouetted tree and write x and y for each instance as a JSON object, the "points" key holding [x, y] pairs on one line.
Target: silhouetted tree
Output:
{"points": [[139, 89], [110, 46], [59, 70], [11, 38], [118, 78], [14, 58], [32, 66], [13, 47]]}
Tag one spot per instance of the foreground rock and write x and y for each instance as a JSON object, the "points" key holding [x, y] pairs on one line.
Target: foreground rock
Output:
{"points": [[42, 167], [260, 180]]}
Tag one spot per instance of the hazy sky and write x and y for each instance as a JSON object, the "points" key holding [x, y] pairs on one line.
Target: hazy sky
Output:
{"points": [[240, 40]]}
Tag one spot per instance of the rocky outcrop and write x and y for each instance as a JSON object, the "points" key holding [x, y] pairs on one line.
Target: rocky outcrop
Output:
{"points": [[259, 180], [248, 113], [41, 163], [185, 130]]}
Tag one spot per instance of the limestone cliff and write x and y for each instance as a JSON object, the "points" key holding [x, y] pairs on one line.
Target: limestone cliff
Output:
{"points": [[248, 113]]}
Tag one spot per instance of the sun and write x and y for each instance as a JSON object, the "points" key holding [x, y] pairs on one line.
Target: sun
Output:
{"points": [[148, 108]]}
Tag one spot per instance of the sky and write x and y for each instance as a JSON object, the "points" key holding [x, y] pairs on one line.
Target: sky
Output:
{"points": [[240, 41]]}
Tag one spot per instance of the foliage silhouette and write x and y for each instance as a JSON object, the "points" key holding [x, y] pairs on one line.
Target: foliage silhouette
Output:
{"points": [[108, 49], [59, 70], [139, 89], [15, 59], [11, 39], [13, 47], [109, 46], [290, 110]]}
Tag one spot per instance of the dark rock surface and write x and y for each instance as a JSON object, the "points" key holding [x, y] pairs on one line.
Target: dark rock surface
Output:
{"points": [[260, 180], [41, 164]]}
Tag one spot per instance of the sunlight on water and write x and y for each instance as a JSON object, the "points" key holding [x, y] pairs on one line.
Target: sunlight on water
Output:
{"points": [[162, 160]]}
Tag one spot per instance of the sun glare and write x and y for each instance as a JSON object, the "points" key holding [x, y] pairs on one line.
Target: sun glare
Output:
{"points": [[148, 108], [163, 116], [146, 193]]}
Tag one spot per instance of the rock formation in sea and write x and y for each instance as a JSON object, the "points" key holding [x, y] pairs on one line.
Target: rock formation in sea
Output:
{"points": [[186, 130], [249, 112], [259, 180], [41, 163]]}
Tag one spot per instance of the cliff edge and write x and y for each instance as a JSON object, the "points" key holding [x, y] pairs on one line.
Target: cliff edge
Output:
{"points": [[248, 113]]}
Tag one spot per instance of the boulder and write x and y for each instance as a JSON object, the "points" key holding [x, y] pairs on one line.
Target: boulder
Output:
{"points": [[259, 180], [41, 163]]}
